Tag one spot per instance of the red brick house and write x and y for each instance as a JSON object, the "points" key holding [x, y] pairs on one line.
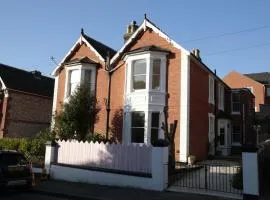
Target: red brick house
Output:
{"points": [[25, 102], [258, 83], [151, 71]]}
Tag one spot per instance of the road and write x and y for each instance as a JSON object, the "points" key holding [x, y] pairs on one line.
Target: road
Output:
{"points": [[21, 195]]}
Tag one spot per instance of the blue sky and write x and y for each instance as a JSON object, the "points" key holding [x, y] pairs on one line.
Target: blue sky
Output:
{"points": [[33, 31]]}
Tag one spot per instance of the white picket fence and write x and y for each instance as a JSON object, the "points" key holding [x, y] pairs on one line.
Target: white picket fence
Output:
{"points": [[130, 158]]}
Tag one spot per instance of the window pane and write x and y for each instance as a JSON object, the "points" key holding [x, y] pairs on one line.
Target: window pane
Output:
{"points": [[137, 119], [268, 92], [75, 76], [236, 97], [222, 136], [236, 107], [236, 138], [87, 77], [156, 66], [139, 82], [137, 135], [139, 67], [236, 128], [154, 135], [73, 87], [155, 120], [155, 81]]}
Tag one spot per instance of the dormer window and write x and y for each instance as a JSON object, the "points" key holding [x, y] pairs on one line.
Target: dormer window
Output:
{"points": [[77, 74]]}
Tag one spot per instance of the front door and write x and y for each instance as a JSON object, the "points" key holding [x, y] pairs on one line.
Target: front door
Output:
{"points": [[224, 145]]}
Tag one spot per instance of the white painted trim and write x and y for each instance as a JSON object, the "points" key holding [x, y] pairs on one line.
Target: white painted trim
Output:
{"points": [[3, 84], [78, 42], [142, 27], [211, 98], [184, 107], [250, 173], [221, 102], [54, 99]]}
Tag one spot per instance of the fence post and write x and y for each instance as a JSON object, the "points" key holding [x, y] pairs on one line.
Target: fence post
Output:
{"points": [[205, 176], [160, 167], [50, 154], [250, 173]]}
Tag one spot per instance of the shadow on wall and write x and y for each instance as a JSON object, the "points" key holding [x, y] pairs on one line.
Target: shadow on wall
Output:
{"points": [[117, 124]]}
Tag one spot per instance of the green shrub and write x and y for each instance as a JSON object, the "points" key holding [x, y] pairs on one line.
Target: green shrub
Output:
{"points": [[237, 181], [33, 149]]}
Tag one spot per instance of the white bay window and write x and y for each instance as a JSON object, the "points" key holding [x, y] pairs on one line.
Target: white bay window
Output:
{"points": [[145, 96], [77, 75]]}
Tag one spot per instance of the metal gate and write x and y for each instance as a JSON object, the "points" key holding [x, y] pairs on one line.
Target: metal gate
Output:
{"points": [[225, 178]]}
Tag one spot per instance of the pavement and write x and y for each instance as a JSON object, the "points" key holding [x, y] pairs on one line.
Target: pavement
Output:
{"points": [[84, 191]]}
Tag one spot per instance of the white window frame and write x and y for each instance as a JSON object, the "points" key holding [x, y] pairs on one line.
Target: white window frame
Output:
{"points": [[132, 75], [141, 127], [82, 68], [211, 91], [250, 89], [149, 57], [221, 98]]}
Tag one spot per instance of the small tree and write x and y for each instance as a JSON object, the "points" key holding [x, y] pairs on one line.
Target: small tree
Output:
{"points": [[78, 115]]}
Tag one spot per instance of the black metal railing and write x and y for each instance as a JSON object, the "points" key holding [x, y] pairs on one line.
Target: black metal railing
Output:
{"points": [[208, 176]]}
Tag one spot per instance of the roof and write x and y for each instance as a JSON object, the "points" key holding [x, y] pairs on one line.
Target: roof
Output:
{"points": [[263, 77], [148, 48], [143, 27], [84, 59], [26, 81], [101, 48]]}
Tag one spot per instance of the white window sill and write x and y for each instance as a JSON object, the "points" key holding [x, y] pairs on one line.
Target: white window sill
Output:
{"points": [[235, 113]]}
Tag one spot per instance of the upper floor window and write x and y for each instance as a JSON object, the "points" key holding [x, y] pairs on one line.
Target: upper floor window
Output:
{"points": [[77, 75], [235, 102], [221, 97], [156, 74], [139, 74], [211, 96], [146, 71], [74, 81]]}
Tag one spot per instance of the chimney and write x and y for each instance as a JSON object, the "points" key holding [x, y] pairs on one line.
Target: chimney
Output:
{"points": [[196, 53], [36, 74], [131, 28]]}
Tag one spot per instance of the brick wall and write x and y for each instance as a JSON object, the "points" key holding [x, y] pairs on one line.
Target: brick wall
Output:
{"points": [[101, 85], [199, 108], [27, 114]]}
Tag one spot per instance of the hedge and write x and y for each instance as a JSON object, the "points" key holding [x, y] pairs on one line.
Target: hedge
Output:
{"points": [[33, 149]]}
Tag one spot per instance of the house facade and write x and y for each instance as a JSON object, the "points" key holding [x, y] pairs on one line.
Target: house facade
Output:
{"points": [[257, 83], [151, 71], [25, 102]]}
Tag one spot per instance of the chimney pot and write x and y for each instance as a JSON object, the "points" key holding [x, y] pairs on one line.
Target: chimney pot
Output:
{"points": [[196, 52], [131, 28]]}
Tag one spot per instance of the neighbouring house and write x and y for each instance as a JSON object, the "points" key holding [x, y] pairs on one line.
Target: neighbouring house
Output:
{"points": [[26, 99], [257, 83], [151, 71]]}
